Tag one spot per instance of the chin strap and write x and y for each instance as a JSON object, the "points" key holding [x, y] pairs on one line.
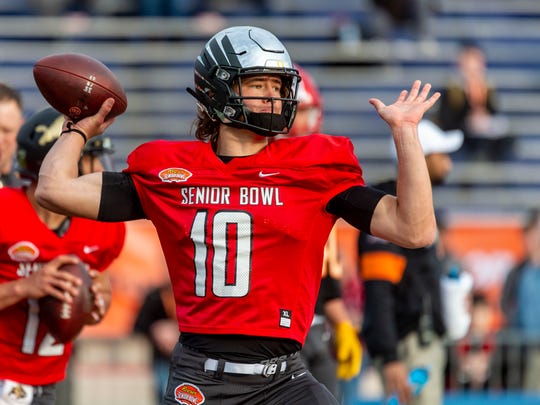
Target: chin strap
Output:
{"points": [[265, 124], [270, 124]]}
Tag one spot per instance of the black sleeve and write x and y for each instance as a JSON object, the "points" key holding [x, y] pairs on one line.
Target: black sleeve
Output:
{"points": [[379, 320], [119, 199], [356, 205], [152, 310], [330, 288]]}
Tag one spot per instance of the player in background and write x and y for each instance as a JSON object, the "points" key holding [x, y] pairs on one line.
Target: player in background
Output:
{"points": [[330, 310], [34, 243], [11, 119], [243, 221], [156, 320], [404, 326]]}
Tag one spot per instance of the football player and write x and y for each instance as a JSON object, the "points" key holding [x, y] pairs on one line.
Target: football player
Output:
{"points": [[243, 221], [34, 243]]}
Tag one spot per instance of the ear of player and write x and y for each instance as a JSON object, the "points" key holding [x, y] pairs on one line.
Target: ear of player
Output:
{"points": [[77, 85], [66, 320]]}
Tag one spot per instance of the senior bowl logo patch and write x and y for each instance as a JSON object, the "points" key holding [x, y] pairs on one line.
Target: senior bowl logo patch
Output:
{"points": [[188, 394], [174, 174], [23, 251]]}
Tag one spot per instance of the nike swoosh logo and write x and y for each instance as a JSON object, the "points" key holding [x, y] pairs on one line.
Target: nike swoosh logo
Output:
{"points": [[261, 174], [293, 377], [90, 249]]}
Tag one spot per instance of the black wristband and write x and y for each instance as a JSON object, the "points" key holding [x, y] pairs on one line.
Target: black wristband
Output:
{"points": [[71, 129]]}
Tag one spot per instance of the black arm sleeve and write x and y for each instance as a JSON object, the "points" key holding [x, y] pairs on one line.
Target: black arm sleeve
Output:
{"points": [[119, 199], [330, 288], [379, 330], [356, 205]]}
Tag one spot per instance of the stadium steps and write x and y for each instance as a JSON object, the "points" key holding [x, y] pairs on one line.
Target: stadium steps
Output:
{"points": [[154, 62]]}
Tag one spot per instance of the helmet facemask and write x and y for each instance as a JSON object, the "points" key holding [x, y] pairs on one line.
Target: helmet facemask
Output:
{"points": [[237, 114]]}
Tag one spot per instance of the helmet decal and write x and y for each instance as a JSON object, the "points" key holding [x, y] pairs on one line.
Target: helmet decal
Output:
{"points": [[37, 136]]}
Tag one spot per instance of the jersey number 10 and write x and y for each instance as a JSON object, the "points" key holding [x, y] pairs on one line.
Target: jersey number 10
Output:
{"points": [[229, 235]]}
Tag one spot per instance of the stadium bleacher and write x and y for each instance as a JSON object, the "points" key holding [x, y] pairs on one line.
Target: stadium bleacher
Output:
{"points": [[153, 59]]}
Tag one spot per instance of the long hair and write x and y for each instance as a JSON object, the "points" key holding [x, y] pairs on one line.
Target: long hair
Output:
{"points": [[8, 93], [207, 129]]}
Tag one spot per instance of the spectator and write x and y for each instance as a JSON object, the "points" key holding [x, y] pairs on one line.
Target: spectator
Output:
{"points": [[456, 287], [171, 8], [403, 322], [81, 9], [469, 102], [476, 349], [520, 301], [407, 19], [456, 297], [11, 119]]}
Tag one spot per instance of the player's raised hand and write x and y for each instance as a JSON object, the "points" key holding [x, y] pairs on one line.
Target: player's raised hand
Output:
{"points": [[410, 106]]}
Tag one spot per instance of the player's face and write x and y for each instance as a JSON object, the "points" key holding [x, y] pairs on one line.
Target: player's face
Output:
{"points": [[472, 62], [11, 119], [263, 87]]}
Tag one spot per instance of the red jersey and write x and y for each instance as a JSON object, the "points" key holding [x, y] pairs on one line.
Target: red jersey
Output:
{"points": [[244, 240], [29, 354]]}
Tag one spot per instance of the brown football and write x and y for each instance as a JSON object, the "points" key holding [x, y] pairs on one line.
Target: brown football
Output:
{"points": [[65, 321], [76, 85]]}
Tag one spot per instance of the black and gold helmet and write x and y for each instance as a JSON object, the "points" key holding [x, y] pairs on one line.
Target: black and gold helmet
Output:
{"points": [[37, 136]]}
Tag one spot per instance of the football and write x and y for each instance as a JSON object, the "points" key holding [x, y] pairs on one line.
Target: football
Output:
{"points": [[76, 85], [66, 320]]}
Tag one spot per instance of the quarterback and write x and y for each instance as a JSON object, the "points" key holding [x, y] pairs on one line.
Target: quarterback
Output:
{"points": [[245, 262]]}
